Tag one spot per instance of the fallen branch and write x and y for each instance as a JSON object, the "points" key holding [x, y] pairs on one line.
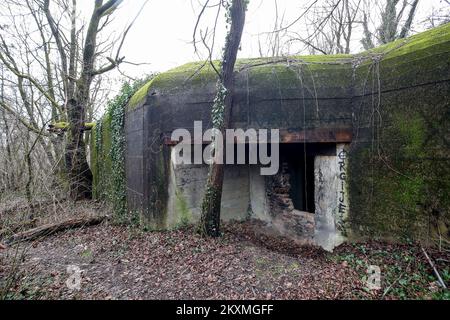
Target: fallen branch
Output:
{"points": [[50, 229], [441, 282], [396, 280]]}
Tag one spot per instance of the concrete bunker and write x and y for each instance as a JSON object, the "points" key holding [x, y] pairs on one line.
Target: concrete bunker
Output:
{"points": [[373, 125]]}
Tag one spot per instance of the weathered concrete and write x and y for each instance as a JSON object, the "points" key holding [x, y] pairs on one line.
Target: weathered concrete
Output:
{"points": [[258, 195], [326, 199], [331, 197], [186, 188]]}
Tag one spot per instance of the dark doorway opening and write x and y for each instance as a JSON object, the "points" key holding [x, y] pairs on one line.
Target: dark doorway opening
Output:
{"points": [[299, 160]]}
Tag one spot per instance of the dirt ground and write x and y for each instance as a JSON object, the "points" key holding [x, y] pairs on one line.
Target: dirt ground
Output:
{"points": [[124, 263]]}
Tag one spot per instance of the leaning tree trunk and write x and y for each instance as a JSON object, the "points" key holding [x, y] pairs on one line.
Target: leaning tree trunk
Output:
{"points": [[408, 23], [210, 219]]}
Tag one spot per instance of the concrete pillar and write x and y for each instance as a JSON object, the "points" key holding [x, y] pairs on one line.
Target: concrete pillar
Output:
{"points": [[331, 198], [258, 195], [325, 198]]}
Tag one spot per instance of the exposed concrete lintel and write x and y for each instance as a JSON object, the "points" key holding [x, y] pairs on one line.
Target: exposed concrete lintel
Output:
{"points": [[329, 135]]}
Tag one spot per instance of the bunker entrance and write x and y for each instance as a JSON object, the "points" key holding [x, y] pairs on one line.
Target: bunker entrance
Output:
{"points": [[306, 200], [291, 192], [301, 179], [298, 165]]}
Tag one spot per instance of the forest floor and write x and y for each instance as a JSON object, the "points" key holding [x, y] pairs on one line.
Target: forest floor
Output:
{"points": [[118, 262]]}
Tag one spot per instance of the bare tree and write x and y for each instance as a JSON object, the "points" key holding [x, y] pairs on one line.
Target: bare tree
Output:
{"points": [[391, 27], [221, 115], [272, 46], [439, 16], [57, 62], [396, 21], [335, 26], [328, 27]]}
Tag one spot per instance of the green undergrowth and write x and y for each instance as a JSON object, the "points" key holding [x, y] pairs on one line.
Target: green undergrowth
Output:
{"points": [[405, 274]]}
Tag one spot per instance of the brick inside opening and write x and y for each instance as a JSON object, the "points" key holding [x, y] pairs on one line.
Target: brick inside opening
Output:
{"points": [[291, 192]]}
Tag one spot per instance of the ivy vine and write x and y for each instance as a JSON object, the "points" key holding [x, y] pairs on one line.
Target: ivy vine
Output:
{"points": [[218, 109], [111, 186]]}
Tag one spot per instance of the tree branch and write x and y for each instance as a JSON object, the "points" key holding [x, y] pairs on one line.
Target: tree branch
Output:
{"points": [[21, 119]]}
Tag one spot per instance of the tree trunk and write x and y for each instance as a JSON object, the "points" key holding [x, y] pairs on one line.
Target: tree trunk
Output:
{"points": [[80, 175], [408, 23], [389, 23], [50, 229], [210, 219]]}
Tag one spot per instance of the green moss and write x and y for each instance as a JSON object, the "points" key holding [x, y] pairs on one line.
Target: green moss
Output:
{"points": [[396, 72], [61, 125], [329, 71], [409, 192], [66, 125], [140, 95], [183, 210], [94, 161], [198, 74], [419, 41], [190, 75], [412, 130], [322, 79], [398, 177]]}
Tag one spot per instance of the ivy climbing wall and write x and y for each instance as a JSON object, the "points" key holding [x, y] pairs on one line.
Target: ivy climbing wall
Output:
{"points": [[107, 149]]}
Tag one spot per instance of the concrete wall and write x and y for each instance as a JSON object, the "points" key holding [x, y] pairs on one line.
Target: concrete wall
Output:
{"points": [[186, 188], [134, 159]]}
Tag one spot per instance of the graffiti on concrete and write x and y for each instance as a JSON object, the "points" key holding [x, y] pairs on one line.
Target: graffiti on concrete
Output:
{"points": [[342, 205]]}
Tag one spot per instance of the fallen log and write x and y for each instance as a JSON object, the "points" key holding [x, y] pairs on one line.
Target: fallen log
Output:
{"points": [[16, 227], [50, 229]]}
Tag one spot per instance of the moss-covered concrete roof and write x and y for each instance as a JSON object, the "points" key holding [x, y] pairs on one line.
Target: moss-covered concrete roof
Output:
{"points": [[329, 72]]}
